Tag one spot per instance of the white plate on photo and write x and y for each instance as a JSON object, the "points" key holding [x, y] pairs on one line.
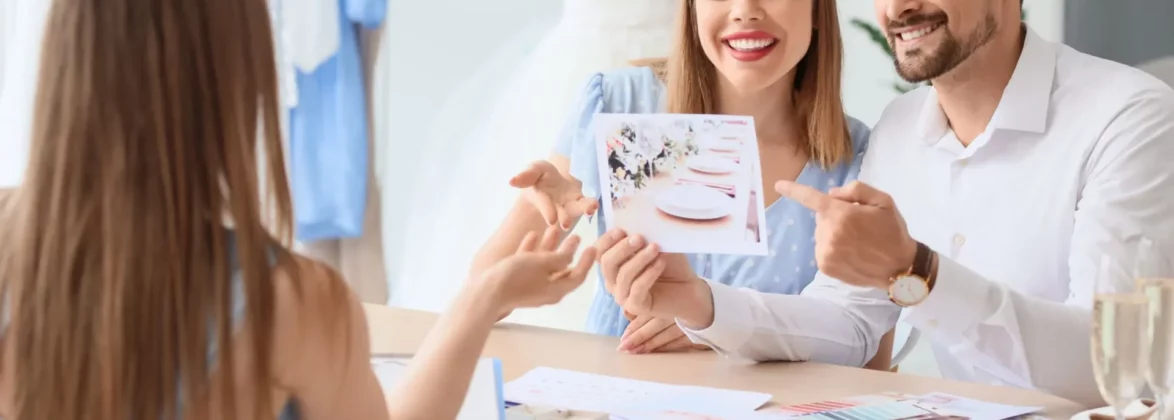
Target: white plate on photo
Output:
{"points": [[711, 164], [721, 145], [695, 202]]}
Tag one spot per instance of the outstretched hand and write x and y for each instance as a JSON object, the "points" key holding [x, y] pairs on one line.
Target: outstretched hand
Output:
{"points": [[860, 236], [558, 197], [539, 273]]}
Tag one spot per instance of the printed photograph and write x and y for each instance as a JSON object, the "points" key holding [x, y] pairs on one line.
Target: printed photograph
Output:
{"points": [[690, 183]]}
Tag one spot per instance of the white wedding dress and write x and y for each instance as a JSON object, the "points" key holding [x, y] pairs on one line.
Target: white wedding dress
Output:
{"points": [[507, 115], [22, 23]]}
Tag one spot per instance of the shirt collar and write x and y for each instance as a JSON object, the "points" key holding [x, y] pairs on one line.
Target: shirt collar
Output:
{"points": [[1025, 101]]}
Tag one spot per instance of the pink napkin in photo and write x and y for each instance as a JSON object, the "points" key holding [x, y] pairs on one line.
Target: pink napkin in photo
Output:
{"points": [[727, 189]]}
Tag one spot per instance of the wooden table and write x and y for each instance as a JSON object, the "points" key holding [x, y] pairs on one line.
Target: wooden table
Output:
{"points": [[522, 348]]}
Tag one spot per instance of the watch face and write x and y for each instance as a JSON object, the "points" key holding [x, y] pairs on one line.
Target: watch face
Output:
{"points": [[908, 290]]}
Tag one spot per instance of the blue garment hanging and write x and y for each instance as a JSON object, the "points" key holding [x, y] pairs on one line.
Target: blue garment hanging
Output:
{"points": [[328, 131]]}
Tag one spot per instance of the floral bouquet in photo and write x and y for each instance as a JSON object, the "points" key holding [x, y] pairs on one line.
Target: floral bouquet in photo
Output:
{"points": [[679, 142], [630, 167], [637, 153]]}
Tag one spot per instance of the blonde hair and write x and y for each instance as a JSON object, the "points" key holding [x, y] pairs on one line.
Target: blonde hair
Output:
{"points": [[691, 81]]}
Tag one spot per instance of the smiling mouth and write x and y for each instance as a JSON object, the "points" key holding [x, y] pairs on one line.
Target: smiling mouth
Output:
{"points": [[919, 33], [750, 45]]}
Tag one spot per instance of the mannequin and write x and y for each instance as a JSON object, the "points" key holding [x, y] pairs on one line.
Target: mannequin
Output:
{"points": [[476, 145], [6, 12], [21, 32]]}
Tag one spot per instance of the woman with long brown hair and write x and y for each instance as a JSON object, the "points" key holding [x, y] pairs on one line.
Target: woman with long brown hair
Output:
{"points": [[145, 268], [778, 61]]}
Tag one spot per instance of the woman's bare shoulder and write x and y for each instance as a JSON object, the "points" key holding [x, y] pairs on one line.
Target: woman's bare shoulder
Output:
{"points": [[319, 327], [306, 286]]}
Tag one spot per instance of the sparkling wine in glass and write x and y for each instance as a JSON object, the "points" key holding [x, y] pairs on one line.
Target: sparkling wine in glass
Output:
{"points": [[1155, 281], [1118, 329], [1160, 370]]}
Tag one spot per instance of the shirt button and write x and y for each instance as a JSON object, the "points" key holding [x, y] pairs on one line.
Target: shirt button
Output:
{"points": [[963, 162], [959, 240]]}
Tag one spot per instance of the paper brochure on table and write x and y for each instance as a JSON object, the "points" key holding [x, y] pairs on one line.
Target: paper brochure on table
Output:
{"points": [[689, 183], [484, 400], [589, 392]]}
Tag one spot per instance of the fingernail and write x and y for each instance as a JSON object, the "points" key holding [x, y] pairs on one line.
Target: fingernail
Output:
{"points": [[637, 350], [636, 241], [622, 347]]}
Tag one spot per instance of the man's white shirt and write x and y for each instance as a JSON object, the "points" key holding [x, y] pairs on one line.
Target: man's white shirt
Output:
{"points": [[1077, 162]]}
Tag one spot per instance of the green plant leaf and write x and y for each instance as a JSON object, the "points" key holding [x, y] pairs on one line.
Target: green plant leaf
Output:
{"points": [[875, 34]]}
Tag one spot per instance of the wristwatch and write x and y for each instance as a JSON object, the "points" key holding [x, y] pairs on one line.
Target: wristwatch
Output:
{"points": [[913, 286]]}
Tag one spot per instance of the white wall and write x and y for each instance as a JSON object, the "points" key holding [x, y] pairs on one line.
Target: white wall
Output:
{"points": [[1046, 17]]}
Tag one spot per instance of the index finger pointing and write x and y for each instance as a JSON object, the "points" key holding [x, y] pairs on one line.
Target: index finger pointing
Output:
{"points": [[806, 196]]}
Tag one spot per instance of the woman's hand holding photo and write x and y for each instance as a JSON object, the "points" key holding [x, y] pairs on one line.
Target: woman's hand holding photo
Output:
{"points": [[654, 289]]}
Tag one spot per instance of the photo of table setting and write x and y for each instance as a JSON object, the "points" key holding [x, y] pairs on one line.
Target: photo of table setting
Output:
{"points": [[686, 182]]}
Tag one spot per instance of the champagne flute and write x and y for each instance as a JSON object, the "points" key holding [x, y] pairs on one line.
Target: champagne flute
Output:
{"points": [[1118, 327], [1155, 281]]}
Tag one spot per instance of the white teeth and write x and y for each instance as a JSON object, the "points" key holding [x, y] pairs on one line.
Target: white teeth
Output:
{"points": [[911, 35], [750, 44]]}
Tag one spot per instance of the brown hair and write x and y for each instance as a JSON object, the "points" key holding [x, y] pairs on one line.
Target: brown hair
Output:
{"points": [[145, 140], [691, 80]]}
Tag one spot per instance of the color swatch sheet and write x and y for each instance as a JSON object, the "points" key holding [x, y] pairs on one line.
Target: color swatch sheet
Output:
{"points": [[898, 407], [869, 407]]}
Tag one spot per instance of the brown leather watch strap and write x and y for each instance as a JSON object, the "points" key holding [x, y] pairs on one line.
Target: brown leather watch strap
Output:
{"points": [[932, 280], [922, 262]]}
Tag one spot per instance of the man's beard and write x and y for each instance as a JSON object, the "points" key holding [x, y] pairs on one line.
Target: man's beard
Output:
{"points": [[919, 65]]}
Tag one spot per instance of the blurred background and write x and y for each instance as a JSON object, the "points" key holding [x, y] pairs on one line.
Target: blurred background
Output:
{"points": [[445, 75]]}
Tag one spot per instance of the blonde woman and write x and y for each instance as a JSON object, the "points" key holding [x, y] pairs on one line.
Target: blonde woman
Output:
{"points": [[778, 61], [139, 279]]}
